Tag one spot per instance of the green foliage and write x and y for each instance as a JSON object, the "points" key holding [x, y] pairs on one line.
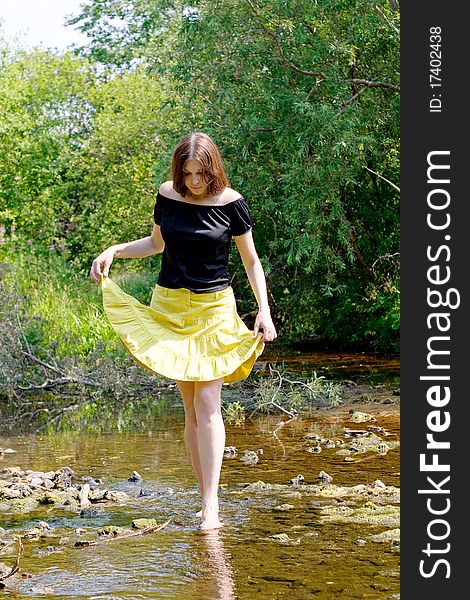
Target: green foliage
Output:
{"points": [[302, 98], [234, 412], [319, 389], [80, 152], [44, 117], [280, 393], [64, 310]]}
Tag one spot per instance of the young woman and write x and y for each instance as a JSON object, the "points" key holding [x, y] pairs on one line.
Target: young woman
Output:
{"points": [[191, 331]]}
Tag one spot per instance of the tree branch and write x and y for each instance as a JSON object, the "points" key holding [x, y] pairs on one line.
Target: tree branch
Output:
{"points": [[350, 101], [385, 257], [284, 58], [152, 529], [395, 187], [379, 11], [64, 377], [377, 84], [367, 84], [358, 253], [16, 567]]}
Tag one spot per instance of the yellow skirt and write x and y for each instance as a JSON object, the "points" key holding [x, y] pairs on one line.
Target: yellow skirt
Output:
{"points": [[183, 335]]}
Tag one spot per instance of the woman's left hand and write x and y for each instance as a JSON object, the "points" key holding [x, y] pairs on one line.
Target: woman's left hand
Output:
{"points": [[265, 323]]}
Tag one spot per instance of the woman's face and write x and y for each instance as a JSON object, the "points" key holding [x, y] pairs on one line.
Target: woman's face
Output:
{"points": [[194, 177]]}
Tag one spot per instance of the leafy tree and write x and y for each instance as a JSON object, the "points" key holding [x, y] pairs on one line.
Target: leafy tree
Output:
{"points": [[45, 115], [303, 98]]}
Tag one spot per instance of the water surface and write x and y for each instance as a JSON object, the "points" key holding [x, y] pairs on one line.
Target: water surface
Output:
{"points": [[320, 559]]}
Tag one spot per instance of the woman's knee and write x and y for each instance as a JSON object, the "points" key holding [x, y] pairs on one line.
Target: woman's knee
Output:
{"points": [[207, 400]]}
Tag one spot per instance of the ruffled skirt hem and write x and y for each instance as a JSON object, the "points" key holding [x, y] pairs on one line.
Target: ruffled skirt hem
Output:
{"points": [[183, 335]]}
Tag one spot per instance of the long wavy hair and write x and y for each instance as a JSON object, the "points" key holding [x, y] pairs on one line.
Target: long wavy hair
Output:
{"points": [[199, 146]]}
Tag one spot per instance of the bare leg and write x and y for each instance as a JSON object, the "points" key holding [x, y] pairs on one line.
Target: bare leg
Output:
{"points": [[211, 442], [186, 389]]}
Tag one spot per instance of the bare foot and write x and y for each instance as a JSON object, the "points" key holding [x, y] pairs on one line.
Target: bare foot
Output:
{"points": [[210, 519], [207, 526]]}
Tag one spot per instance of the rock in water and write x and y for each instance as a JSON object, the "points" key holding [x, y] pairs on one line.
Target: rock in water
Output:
{"points": [[250, 457]]}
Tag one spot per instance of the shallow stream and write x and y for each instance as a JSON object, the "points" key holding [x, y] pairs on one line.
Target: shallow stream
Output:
{"points": [[319, 555]]}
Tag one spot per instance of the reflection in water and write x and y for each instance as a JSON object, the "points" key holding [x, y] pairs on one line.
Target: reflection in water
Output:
{"points": [[360, 367], [215, 562]]}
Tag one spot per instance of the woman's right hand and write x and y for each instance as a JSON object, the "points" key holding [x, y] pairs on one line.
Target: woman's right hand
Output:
{"points": [[104, 261]]}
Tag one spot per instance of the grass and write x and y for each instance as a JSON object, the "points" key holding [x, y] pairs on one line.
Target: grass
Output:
{"points": [[65, 305]]}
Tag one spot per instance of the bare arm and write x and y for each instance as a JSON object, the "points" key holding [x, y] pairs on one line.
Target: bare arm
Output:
{"points": [[147, 246], [257, 279]]}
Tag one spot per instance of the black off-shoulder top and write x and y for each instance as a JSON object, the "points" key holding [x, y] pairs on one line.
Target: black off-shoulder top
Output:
{"points": [[197, 242]]}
